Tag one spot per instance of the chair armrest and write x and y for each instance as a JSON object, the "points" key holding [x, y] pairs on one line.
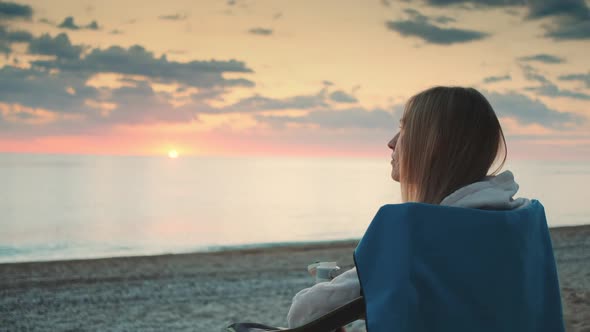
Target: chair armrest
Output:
{"points": [[347, 313]]}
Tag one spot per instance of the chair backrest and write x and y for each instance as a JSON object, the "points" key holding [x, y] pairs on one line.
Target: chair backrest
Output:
{"points": [[427, 268]]}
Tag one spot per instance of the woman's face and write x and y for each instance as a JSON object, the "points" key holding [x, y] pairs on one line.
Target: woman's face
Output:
{"points": [[393, 145]]}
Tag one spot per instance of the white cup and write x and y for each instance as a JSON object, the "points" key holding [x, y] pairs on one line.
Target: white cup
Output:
{"points": [[323, 271]]}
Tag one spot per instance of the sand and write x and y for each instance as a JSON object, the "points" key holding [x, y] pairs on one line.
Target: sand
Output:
{"points": [[207, 291]]}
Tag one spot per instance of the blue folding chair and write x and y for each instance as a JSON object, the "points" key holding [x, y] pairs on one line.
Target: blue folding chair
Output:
{"points": [[437, 268]]}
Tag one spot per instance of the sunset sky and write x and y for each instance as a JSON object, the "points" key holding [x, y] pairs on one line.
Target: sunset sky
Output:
{"points": [[284, 77]]}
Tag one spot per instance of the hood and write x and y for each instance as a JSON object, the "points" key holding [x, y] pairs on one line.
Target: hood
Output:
{"points": [[493, 193]]}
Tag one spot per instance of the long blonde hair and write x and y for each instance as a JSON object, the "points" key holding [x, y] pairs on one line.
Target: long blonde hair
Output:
{"points": [[450, 138]]}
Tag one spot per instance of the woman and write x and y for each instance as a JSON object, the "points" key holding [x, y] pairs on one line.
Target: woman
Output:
{"points": [[448, 141]]}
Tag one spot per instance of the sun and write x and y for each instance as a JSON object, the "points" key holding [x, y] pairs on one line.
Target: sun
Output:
{"points": [[173, 154]]}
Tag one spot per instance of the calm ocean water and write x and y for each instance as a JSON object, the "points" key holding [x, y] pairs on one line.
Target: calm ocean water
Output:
{"points": [[68, 207]]}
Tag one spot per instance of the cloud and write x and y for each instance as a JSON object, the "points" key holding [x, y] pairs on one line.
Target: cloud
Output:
{"points": [[444, 19], [261, 31], [585, 78], [494, 79], [10, 10], [532, 74], [544, 8], [569, 29], [548, 88], [419, 26], [344, 119], [259, 103], [551, 90], [46, 21], [60, 46], [93, 26], [9, 37], [52, 91], [67, 94], [570, 18], [530, 111], [342, 97], [136, 60], [544, 58], [416, 15], [141, 104], [68, 23], [476, 3], [173, 17]]}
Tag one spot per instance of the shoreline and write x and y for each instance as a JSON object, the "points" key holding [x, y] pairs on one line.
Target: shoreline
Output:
{"points": [[256, 247]]}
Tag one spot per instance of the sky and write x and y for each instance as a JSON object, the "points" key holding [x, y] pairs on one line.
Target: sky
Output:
{"points": [[284, 78]]}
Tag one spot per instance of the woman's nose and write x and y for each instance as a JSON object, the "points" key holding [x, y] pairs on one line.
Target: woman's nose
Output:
{"points": [[391, 144]]}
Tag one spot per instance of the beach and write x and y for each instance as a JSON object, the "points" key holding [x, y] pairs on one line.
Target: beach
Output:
{"points": [[208, 291]]}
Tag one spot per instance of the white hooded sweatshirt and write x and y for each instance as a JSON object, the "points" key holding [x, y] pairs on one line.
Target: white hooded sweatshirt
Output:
{"points": [[493, 193]]}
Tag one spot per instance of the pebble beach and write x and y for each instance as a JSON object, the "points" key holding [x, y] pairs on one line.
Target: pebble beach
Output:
{"points": [[208, 291]]}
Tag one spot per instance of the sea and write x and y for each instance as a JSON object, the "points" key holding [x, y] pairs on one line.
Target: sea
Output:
{"points": [[62, 207]]}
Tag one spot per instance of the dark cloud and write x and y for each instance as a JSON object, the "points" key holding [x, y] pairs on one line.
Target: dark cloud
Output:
{"points": [[420, 26], [476, 3], [15, 36], [568, 29], [416, 15], [93, 26], [572, 8], [5, 48], [68, 23], [141, 104], [259, 103], [552, 90], [10, 10], [544, 58], [60, 46], [50, 89], [67, 94], [261, 31], [18, 36], [570, 18], [173, 17], [494, 79], [585, 78], [548, 88], [344, 119], [444, 19], [537, 8], [532, 74], [46, 21], [342, 97], [136, 60], [530, 111]]}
